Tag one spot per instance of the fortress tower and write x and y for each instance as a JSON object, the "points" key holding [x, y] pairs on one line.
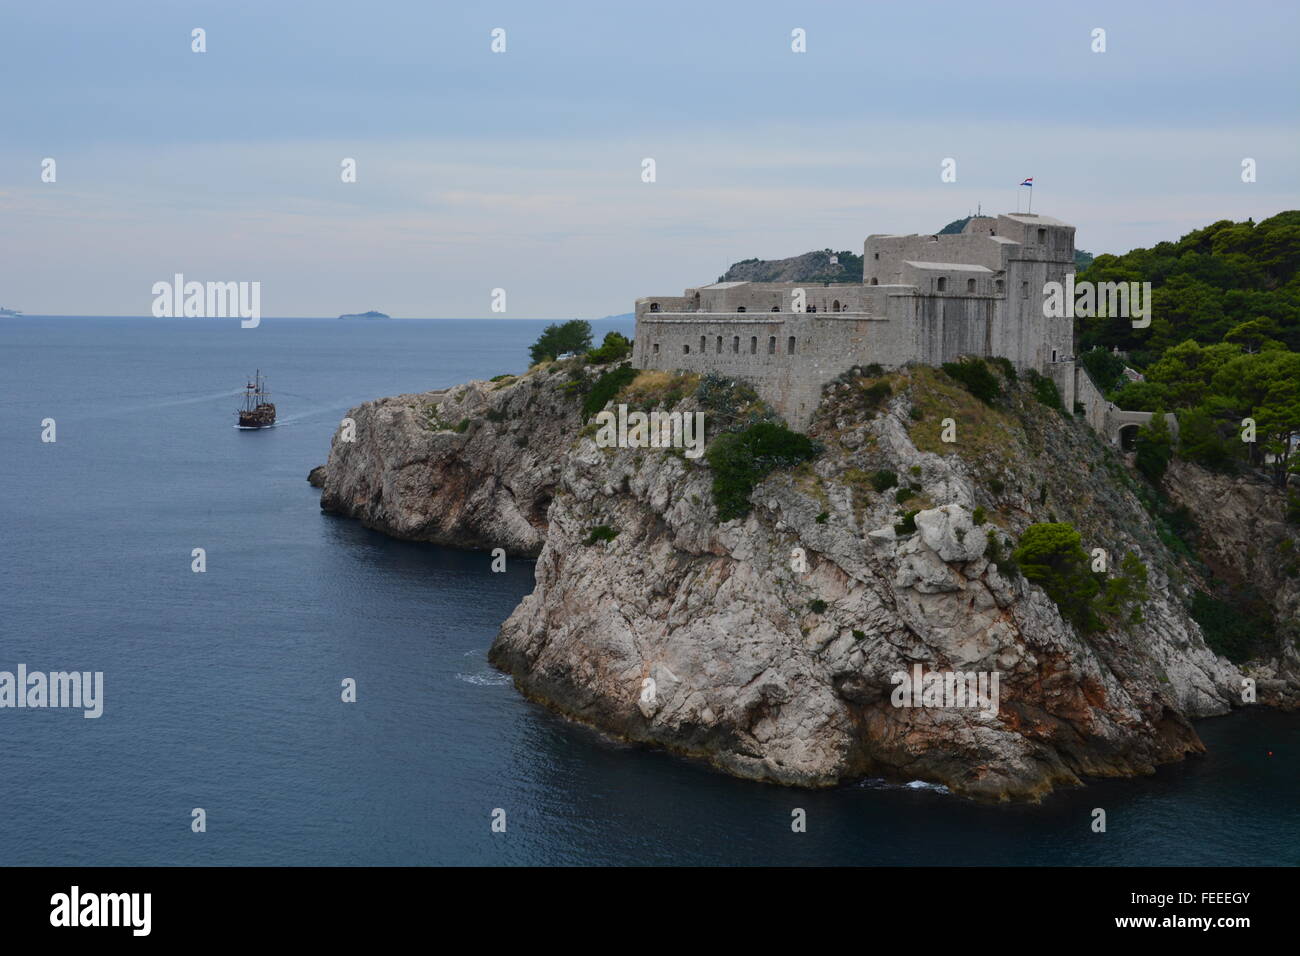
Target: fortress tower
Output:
{"points": [[924, 299]]}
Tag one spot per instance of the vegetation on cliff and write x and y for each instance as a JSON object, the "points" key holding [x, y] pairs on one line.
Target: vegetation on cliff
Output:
{"points": [[740, 460], [560, 339], [1051, 555], [1223, 345]]}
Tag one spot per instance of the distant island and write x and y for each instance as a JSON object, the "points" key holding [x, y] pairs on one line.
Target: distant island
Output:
{"points": [[10, 312], [372, 314]]}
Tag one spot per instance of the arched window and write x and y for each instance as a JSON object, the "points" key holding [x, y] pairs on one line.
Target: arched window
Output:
{"points": [[771, 345], [941, 285], [735, 344], [874, 281], [654, 306], [719, 344], [789, 346], [753, 345], [740, 308], [835, 306], [776, 308], [970, 285]]}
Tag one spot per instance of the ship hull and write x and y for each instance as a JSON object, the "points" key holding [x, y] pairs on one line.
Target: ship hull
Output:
{"points": [[261, 417]]}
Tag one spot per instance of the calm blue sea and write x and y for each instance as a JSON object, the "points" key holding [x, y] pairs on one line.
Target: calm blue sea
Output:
{"points": [[222, 688]]}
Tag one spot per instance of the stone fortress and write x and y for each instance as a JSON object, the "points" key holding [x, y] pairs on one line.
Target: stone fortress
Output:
{"points": [[923, 299]]}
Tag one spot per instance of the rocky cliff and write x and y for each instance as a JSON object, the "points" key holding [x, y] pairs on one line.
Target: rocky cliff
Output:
{"points": [[473, 466], [769, 645]]}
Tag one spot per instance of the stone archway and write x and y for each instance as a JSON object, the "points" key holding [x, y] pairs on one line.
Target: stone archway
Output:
{"points": [[1126, 437]]}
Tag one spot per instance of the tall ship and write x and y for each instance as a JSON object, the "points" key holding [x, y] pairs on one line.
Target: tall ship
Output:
{"points": [[257, 411]]}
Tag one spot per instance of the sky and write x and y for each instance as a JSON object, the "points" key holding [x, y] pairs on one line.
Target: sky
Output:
{"points": [[523, 170]]}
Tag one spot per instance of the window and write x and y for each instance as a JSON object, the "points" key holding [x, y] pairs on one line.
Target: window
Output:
{"points": [[1053, 355], [877, 256], [776, 308], [704, 344], [719, 344], [970, 285], [1024, 290], [753, 345], [740, 308], [789, 346], [873, 281], [1042, 235], [735, 344], [656, 348], [1000, 285], [835, 306], [771, 345], [941, 285], [686, 350], [654, 306]]}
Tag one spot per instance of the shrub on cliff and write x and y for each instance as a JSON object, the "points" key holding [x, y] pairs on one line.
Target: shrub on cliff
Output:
{"points": [[883, 480], [1045, 391], [606, 387], [1154, 448], [614, 348], [1051, 555], [975, 377], [740, 460], [557, 339], [1232, 630], [602, 532], [730, 404]]}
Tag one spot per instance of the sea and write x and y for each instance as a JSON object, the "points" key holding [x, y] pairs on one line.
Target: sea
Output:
{"points": [[223, 688]]}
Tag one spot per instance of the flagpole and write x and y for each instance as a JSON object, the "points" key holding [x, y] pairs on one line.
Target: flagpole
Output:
{"points": [[1031, 198]]}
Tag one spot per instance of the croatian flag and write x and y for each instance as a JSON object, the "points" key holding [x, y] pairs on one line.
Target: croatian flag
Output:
{"points": [[1028, 182]]}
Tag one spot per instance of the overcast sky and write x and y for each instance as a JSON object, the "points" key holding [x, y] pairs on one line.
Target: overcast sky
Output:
{"points": [[522, 170]]}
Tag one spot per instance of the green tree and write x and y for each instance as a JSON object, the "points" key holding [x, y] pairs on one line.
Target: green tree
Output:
{"points": [[614, 348], [1202, 438], [1051, 556], [740, 460], [556, 340], [1154, 448], [1104, 367]]}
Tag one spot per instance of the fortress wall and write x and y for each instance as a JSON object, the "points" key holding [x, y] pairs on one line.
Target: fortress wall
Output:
{"points": [[971, 248], [756, 348], [958, 280], [1022, 332], [1094, 403], [1062, 373], [944, 327]]}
